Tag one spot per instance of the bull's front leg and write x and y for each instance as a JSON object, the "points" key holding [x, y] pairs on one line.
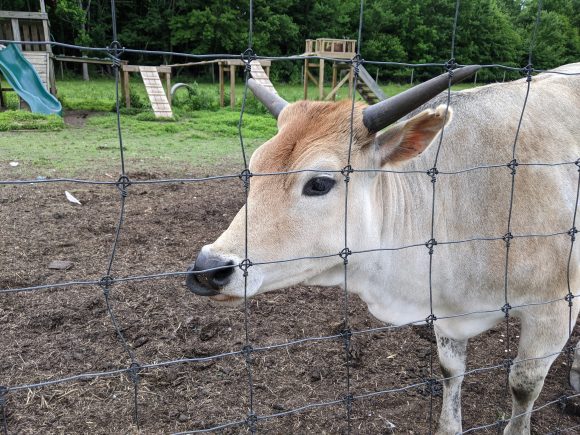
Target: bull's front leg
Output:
{"points": [[452, 354], [575, 371]]}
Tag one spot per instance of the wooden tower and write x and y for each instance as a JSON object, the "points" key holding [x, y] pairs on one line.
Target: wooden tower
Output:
{"points": [[337, 49], [31, 27]]}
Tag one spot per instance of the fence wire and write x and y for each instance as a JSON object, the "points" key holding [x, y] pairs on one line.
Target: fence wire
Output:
{"points": [[251, 420]]}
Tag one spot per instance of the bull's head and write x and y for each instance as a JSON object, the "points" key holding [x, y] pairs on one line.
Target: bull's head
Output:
{"points": [[301, 213]]}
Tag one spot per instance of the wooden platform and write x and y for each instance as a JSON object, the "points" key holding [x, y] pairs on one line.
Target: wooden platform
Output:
{"points": [[154, 88]]}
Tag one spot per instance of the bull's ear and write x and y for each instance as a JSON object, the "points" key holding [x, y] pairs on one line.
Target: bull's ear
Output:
{"points": [[409, 138]]}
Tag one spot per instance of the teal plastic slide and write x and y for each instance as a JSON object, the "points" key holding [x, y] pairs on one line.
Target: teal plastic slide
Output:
{"points": [[24, 79]]}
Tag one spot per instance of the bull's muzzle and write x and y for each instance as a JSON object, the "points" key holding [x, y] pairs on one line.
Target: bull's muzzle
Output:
{"points": [[209, 274]]}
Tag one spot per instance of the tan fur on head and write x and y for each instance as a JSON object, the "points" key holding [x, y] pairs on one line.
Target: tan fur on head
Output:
{"points": [[307, 126]]}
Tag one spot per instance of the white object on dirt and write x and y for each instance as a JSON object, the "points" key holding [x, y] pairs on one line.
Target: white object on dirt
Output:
{"points": [[71, 198], [14, 164]]}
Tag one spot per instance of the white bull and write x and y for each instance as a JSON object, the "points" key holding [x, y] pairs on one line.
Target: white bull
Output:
{"points": [[302, 215]]}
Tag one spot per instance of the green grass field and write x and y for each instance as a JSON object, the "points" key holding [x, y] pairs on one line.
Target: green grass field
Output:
{"points": [[200, 136]]}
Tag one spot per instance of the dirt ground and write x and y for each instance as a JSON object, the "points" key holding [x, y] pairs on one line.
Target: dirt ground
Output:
{"points": [[51, 334]]}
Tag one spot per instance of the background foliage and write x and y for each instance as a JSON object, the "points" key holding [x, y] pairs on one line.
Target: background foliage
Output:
{"points": [[490, 31]]}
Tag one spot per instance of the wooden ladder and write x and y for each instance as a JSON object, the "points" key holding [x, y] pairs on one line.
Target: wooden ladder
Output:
{"points": [[366, 93], [260, 76], [368, 89], [154, 88]]}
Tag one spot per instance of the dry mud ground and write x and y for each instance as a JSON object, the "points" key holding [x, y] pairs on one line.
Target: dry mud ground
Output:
{"points": [[55, 333]]}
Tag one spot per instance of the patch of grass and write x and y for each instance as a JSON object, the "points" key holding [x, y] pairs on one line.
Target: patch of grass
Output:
{"points": [[150, 116], [22, 120], [179, 147]]}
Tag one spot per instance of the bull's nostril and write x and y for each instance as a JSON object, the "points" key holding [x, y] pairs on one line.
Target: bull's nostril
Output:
{"points": [[210, 274], [221, 277]]}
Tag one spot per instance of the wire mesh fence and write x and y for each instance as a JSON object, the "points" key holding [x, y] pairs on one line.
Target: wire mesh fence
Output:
{"points": [[248, 351]]}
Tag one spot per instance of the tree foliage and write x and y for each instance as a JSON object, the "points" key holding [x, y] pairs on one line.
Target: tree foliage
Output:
{"points": [[415, 31]]}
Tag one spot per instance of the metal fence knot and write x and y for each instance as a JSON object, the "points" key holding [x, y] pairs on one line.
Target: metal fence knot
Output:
{"points": [[344, 254], [122, 184], [430, 244], [434, 387], [527, 71], [562, 402], [245, 176], [346, 171], [251, 422], [577, 163], [357, 61], [507, 238], [430, 319], [346, 334], [507, 364], [245, 265], [450, 65], [133, 372], [348, 401], [247, 352], [248, 56], [115, 50], [569, 298], [569, 350], [506, 309], [572, 233], [500, 424], [513, 165], [105, 283], [433, 174]]}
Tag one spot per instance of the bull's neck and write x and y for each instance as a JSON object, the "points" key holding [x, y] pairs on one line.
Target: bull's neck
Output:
{"points": [[407, 206]]}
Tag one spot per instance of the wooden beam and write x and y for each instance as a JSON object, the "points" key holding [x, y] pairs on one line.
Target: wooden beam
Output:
{"points": [[24, 15], [311, 77], [91, 60], [321, 80], [227, 62], [305, 78], [350, 76], [16, 29], [221, 80], [135, 68], [52, 77], [232, 86], [168, 86], [126, 87], [46, 31], [334, 77], [332, 93]]}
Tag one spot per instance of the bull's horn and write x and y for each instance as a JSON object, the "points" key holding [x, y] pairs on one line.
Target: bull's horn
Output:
{"points": [[385, 113], [274, 103]]}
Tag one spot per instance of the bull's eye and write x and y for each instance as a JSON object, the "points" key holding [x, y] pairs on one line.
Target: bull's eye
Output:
{"points": [[318, 186]]}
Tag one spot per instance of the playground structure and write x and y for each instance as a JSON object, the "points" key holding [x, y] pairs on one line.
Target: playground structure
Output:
{"points": [[36, 59], [334, 50], [260, 71]]}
